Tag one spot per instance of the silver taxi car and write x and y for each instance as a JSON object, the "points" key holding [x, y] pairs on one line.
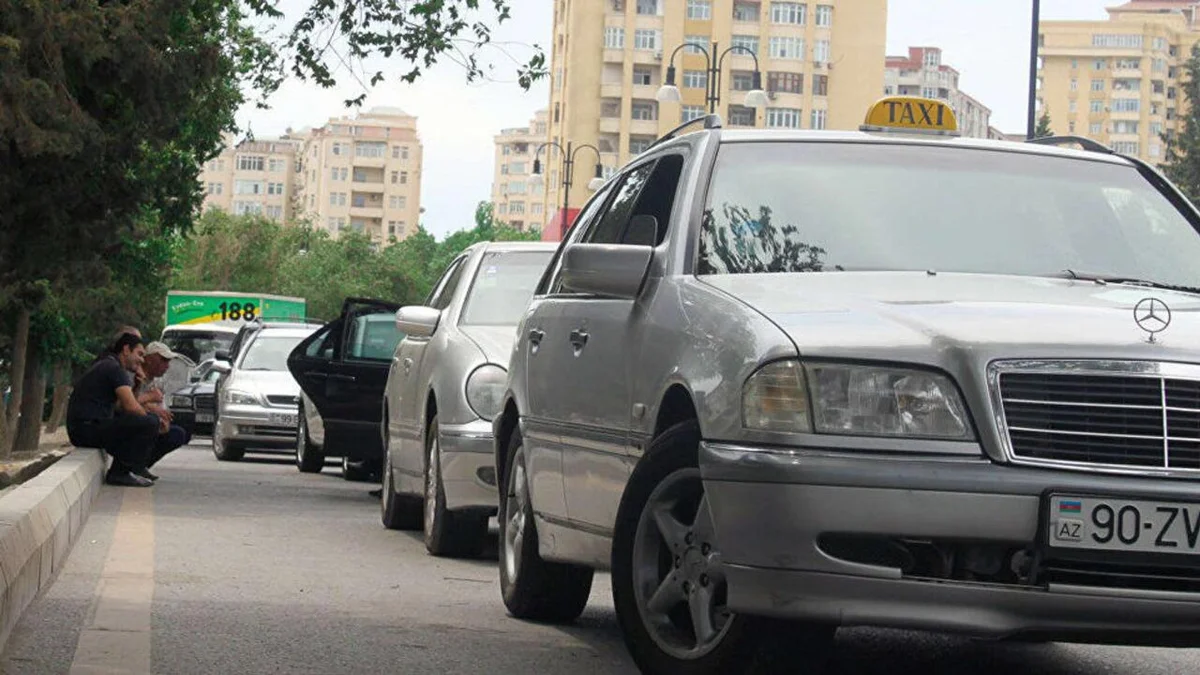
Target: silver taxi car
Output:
{"points": [[780, 382]]}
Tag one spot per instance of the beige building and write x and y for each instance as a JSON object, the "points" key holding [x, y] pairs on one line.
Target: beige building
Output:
{"points": [[253, 176], [821, 63], [363, 173], [1119, 81], [519, 200], [922, 73]]}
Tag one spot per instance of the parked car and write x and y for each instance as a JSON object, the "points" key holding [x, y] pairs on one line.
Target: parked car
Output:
{"points": [[257, 398], [780, 382], [194, 405], [342, 370], [444, 389]]}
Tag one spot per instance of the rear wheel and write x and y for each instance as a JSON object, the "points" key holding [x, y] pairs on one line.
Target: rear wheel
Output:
{"points": [[447, 533], [533, 588], [309, 458], [398, 512], [669, 584]]}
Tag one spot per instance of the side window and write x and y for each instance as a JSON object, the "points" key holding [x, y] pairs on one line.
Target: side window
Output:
{"points": [[586, 217], [656, 199], [372, 337], [322, 346], [612, 225], [446, 293]]}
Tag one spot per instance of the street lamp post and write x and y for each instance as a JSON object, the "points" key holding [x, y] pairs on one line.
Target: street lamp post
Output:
{"points": [[1031, 122], [755, 98], [568, 154]]}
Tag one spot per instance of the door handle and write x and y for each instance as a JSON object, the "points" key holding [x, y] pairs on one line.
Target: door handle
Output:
{"points": [[579, 337], [407, 364], [536, 335], [343, 378], [316, 376]]}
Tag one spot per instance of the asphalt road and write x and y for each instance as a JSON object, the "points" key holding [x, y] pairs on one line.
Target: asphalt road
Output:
{"points": [[253, 567]]}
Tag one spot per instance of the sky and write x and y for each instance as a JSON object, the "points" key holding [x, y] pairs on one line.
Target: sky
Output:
{"points": [[986, 40]]}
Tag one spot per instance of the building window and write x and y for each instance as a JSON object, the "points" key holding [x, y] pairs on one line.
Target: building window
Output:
{"points": [[818, 119], [614, 37], [639, 144], [820, 85], [700, 10], [933, 58], [691, 112], [786, 83], [370, 150], [787, 48], [741, 116], [1125, 127], [1074, 84], [647, 39], [276, 165], [649, 7], [793, 13], [644, 111], [783, 118], [1160, 44], [821, 51], [337, 148], [247, 187], [1097, 106], [536, 209], [1156, 129], [1121, 105], [745, 42], [247, 208], [514, 167], [404, 178], [824, 16], [741, 80], [216, 188], [1097, 85], [1095, 129], [695, 79], [1118, 41], [250, 163], [337, 198], [642, 76], [1071, 127], [1158, 65], [275, 212], [1074, 64], [516, 187], [1073, 106], [517, 208], [396, 174], [1099, 64], [274, 188], [1128, 64], [746, 11], [1125, 147], [690, 40]]}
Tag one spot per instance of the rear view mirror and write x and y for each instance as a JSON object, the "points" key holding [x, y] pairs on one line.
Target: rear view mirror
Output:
{"points": [[613, 270], [417, 320]]}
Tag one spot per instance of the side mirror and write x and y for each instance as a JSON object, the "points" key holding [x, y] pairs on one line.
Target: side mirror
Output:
{"points": [[417, 320], [221, 355], [222, 367], [613, 270]]}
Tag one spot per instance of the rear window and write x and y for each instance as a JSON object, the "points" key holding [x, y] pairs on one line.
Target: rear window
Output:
{"points": [[823, 207]]}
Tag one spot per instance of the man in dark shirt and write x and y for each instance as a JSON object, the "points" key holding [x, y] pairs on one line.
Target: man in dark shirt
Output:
{"points": [[91, 420]]}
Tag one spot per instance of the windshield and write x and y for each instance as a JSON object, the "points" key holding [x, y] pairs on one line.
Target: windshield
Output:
{"points": [[269, 352], [503, 287], [821, 207], [196, 345]]}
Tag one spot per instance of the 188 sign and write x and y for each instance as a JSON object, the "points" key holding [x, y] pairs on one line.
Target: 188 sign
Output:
{"points": [[236, 311]]}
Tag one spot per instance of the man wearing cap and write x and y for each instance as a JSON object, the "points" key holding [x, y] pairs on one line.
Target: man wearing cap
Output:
{"points": [[104, 413], [171, 436]]}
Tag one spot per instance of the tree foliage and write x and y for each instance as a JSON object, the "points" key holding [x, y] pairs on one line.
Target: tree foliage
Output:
{"points": [[1182, 163], [1043, 129]]}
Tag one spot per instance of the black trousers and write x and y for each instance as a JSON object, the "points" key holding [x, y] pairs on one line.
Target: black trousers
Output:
{"points": [[130, 439]]}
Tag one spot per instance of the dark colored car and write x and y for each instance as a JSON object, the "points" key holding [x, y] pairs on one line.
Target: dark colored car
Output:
{"points": [[342, 370], [194, 405]]}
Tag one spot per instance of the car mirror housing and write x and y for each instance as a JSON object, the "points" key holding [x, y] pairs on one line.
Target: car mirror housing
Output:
{"points": [[611, 270], [223, 367], [418, 320]]}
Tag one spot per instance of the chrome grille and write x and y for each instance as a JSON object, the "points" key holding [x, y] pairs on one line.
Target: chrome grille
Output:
{"points": [[1139, 420], [205, 402], [275, 399]]}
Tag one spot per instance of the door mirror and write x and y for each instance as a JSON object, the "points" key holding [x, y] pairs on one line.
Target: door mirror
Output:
{"points": [[222, 367], [417, 320], [221, 355], [613, 270]]}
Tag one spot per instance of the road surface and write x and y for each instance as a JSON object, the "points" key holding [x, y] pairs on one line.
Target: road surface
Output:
{"points": [[253, 567]]}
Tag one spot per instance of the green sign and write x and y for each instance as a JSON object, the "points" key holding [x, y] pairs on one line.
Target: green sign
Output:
{"points": [[231, 308]]}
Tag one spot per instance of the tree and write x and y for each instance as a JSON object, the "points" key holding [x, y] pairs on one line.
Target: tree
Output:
{"points": [[1182, 165], [1043, 125]]}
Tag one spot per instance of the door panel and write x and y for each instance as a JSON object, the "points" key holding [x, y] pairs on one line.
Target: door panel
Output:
{"points": [[543, 446], [356, 383], [310, 363]]}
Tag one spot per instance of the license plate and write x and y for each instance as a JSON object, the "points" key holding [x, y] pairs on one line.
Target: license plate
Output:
{"points": [[1113, 524], [283, 420], [204, 417]]}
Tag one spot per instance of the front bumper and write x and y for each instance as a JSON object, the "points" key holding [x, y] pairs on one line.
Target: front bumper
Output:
{"points": [[468, 466], [933, 544], [259, 425]]}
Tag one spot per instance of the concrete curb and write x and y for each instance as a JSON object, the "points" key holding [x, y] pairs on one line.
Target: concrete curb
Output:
{"points": [[39, 522]]}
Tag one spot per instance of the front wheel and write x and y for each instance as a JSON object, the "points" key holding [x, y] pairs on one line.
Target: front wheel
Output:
{"points": [[447, 533], [533, 588], [225, 451], [669, 585]]}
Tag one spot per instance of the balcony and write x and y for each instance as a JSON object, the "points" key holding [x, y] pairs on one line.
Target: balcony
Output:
{"points": [[372, 162], [645, 91], [612, 90], [367, 212], [614, 56], [643, 127], [610, 125]]}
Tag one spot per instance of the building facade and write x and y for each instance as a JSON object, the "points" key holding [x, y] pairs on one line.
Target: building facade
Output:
{"points": [[1119, 81], [821, 63], [358, 174], [254, 176], [922, 73], [518, 197]]}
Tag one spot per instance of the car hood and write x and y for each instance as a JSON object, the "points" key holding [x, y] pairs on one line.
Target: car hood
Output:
{"points": [[496, 342], [269, 383], [927, 316]]}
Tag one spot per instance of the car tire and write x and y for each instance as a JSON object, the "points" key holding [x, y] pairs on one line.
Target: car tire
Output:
{"points": [[666, 570], [309, 458], [447, 533], [398, 512], [226, 451], [357, 472], [533, 588]]}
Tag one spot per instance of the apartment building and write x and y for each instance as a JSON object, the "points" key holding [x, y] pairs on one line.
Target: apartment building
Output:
{"points": [[1119, 81], [253, 176], [363, 174], [820, 62], [518, 198], [922, 73]]}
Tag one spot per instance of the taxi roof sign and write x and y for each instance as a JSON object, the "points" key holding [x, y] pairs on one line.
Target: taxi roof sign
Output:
{"points": [[911, 114]]}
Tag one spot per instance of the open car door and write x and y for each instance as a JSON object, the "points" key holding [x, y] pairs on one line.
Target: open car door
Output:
{"points": [[343, 368]]}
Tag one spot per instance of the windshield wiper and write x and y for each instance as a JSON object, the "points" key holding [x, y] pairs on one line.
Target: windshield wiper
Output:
{"points": [[1131, 281]]}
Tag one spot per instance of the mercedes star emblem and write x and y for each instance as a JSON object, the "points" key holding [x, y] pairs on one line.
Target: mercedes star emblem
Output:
{"points": [[1152, 315]]}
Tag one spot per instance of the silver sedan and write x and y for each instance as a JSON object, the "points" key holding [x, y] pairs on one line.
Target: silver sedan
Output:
{"points": [[443, 390]]}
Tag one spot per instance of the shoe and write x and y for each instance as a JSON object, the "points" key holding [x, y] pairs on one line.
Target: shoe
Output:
{"points": [[144, 473], [126, 479]]}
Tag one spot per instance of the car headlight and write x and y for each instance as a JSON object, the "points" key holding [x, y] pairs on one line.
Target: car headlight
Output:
{"points": [[485, 390], [181, 401], [235, 397], [855, 400]]}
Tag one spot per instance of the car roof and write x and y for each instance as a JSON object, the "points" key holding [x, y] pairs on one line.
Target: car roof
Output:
{"points": [[504, 246], [289, 331], [203, 328]]}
